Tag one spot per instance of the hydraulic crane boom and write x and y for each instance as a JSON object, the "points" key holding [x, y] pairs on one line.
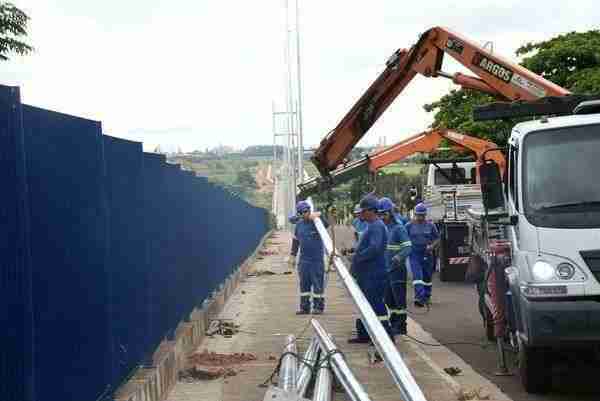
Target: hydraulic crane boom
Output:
{"points": [[424, 142], [501, 78]]}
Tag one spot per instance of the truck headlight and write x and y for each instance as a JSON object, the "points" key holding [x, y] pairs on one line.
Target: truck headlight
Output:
{"points": [[542, 271], [565, 271]]}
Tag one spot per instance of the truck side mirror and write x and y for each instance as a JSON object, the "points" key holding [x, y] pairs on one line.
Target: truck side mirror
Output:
{"points": [[491, 185]]}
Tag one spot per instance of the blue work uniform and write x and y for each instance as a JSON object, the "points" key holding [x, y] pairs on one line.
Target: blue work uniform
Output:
{"points": [[397, 251], [369, 271], [421, 260], [401, 219], [359, 227], [311, 267]]}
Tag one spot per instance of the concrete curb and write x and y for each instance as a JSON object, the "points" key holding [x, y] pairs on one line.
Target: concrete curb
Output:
{"points": [[156, 382], [436, 357]]}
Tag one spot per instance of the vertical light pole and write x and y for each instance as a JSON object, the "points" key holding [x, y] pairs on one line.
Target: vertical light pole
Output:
{"points": [[299, 104], [290, 110]]}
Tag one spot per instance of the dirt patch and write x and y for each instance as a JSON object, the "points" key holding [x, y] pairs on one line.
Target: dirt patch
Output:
{"points": [[207, 365], [268, 252], [207, 358], [263, 181], [197, 373]]}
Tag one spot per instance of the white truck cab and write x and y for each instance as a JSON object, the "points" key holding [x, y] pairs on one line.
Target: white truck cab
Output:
{"points": [[439, 174], [450, 189], [552, 192]]}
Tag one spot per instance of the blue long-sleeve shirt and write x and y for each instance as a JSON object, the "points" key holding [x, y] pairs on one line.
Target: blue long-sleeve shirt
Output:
{"points": [[369, 257], [308, 241], [422, 234], [401, 219], [398, 242], [359, 227]]}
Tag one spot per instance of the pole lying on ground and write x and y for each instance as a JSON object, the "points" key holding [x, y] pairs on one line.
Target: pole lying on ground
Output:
{"points": [[288, 369], [323, 385], [340, 367], [306, 367], [409, 389]]}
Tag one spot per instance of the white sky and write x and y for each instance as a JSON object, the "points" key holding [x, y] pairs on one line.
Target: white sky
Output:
{"points": [[199, 73]]}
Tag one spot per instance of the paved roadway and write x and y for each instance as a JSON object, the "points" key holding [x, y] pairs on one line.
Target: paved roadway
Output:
{"points": [[454, 318]]}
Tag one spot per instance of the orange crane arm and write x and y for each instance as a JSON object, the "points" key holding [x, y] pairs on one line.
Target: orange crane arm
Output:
{"points": [[429, 141], [494, 75], [424, 142]]}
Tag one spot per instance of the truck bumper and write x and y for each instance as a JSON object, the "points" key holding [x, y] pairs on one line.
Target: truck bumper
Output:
{"points": [[569, 322]]}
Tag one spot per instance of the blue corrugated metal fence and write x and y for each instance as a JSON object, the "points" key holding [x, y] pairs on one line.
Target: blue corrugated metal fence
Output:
{"points": [[103, 250]]}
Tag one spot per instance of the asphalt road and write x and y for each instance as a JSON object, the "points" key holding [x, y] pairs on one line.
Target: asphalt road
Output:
{"points": [[454, 317]]}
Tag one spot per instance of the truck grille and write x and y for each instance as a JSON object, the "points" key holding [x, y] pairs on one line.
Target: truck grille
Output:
{"points": [[592, 259]]}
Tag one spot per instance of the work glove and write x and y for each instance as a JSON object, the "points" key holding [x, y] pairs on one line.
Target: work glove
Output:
{"points": [[292, 261]]}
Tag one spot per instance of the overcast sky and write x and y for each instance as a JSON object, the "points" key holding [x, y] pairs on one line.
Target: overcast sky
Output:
{"points": [[199, 73]]}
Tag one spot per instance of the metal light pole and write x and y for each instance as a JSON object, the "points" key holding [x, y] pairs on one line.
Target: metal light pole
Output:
{"points": [[299, 103], [354, 389]]}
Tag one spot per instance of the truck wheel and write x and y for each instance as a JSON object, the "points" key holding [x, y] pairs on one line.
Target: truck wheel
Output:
{"points": [[535, 369]]}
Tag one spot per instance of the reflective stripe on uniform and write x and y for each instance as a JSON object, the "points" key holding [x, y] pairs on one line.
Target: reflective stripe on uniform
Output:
{"points": [[399, 247], [383, 318], [427, 284], [305, 294], [416, 282], [398, 311], [318, 295]]}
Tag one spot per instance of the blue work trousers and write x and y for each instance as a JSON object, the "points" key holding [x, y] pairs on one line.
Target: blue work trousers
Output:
{"points": [[373, 287], [395, 296], [311, 275], [421, 264]]}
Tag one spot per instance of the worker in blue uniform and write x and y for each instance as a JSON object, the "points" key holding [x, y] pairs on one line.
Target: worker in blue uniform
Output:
{"points": [[358, 224], [424, 237], [399, 217], [397, 251], [311, 266], [368, 266]]}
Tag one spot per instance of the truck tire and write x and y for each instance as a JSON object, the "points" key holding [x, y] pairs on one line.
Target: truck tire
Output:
{"points": [[535, 369]]}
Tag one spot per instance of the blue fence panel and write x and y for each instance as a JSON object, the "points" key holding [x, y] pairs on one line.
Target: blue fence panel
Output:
{"points": [[154, 190], [103, 250], [16, 335], [204, 243], [169, 296], [127, 264], [65, 171]]}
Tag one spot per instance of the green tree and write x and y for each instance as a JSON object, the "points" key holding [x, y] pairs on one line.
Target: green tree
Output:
{"points": [[571, 61], [13, 28], [455, 111]]}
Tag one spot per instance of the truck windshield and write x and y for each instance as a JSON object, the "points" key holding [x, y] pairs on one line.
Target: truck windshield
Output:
{"points": [[450, 176], [561, 184]]}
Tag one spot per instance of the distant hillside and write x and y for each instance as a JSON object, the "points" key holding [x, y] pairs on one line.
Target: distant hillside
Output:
{"points": [[237, 172]]}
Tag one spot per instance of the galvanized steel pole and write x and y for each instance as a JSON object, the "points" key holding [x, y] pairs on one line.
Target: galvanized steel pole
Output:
{"points": [[340, 367], [288, 369], [409, 389], [307, 366], [323, 384]]}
